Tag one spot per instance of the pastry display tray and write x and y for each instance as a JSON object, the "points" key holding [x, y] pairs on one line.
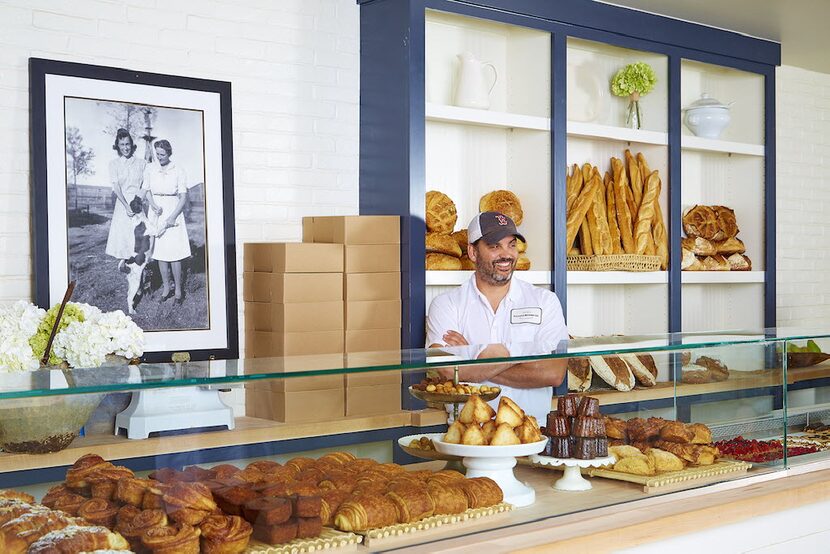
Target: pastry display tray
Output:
{"points": [[662, 481], [329, 540], [374, 538]]}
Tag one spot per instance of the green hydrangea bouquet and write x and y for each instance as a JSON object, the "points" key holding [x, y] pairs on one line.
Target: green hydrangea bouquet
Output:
{"points": [[634, 81]]}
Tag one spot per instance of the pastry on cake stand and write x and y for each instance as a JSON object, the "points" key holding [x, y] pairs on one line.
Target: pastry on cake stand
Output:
{"points": [[572, 480]]}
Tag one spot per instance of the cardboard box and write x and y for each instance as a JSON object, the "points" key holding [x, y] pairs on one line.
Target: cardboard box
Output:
{"points": [[372, 286], [293, 257], [292, 287], [373, 340], [295, 407], [372, 258], [367, 378], [373, 314], [299, 384], [373, 359], [374, 399], [294, 317], [329, 361], [265, 344], [353, 229]]}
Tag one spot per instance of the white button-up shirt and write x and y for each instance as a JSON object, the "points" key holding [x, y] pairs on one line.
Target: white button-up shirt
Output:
{"points": [[528, 321]]}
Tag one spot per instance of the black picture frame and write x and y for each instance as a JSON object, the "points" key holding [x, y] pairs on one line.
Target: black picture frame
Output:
{"points": [[219, 339]]}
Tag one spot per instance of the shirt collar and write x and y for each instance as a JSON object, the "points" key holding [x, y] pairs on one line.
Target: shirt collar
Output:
{"points": [[512, 293]]}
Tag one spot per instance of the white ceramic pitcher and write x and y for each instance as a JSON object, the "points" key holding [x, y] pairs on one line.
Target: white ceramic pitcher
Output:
{"points": [[472, 90]]}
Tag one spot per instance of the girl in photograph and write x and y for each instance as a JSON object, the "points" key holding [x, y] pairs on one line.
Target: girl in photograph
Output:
{"points": [[167, 184], [126, 174]]}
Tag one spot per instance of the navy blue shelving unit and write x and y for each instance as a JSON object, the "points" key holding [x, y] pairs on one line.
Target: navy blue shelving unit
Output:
{"points": [[392, 119]]}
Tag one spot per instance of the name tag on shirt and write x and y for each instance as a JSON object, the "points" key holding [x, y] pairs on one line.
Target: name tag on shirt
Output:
{"points": [[526, 315]]}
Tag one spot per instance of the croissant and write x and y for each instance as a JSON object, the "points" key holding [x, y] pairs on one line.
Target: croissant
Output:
{"points": [[366, 512], [16, 495], [361, 464], [251, 475], [98, 511], [222, 471], [266, 466], [17, 534], [330, 502], [412, 504], [86, 465], [481, 492], [643, 430], [199, 473], [339, 480], [447, 498], [166, 475], [298, 464], [76, 538], [189, 503], [225, 534], [172, 540], [14, 508], [676, 431], [133, 528]]}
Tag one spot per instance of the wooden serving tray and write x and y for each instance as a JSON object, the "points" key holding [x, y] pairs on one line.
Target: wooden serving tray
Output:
{"points": [[652, 483], [330, 539], [373, 537]]}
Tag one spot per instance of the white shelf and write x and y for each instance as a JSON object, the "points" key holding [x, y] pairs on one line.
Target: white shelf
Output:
{"points": [[724, 146], [594, 130], [617, 277], [721, 277], [453, 278], [485, 118]]}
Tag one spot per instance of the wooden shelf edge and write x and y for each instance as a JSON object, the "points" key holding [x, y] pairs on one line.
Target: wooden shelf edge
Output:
{"points": [[595, 130], [723, 146]]}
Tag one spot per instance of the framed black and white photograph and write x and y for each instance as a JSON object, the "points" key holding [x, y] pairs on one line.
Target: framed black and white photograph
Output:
{"points": [[133, 200]]}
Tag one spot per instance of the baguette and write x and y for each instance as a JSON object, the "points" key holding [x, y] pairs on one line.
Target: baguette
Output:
{"points": [[587, 171], [586, 243], [575, 188], [635, 178], [611, 212], [577, 214], [661, 238], [643, 164], [642, 232], [621, 192], [600, 235]]}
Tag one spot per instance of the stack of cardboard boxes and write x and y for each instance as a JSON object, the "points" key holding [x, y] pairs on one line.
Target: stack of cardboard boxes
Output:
{"points": [[372, 295], [293, 295]]}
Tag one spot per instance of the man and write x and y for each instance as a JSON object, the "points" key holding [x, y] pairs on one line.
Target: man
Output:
{"points": [[511, 317]]}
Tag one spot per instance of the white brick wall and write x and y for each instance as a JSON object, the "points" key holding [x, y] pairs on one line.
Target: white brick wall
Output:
{"points": [[293, 65], [803, 197]]}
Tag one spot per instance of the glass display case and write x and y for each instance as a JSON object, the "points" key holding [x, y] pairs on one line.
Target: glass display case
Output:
{"points": [[672, 413]]}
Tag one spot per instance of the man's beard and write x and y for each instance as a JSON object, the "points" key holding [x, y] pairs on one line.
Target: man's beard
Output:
{"points": [[492, 276]]}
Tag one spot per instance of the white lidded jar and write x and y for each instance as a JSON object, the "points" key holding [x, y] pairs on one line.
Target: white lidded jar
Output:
{"points": [[707, 117]]}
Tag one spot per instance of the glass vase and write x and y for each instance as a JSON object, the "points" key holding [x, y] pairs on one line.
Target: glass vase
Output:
{"points": [[634, 117]]}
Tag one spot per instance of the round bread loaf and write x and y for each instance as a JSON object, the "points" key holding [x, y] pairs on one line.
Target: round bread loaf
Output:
{"points": [[522, 263], [441, 214], [461, 238], [701, 221], [502, 201], [467, 263], [442, 244], [727, 223], [442, 261]]}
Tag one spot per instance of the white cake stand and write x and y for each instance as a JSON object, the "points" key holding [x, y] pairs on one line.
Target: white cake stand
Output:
{"points": [[572, 480], [497, 463]]}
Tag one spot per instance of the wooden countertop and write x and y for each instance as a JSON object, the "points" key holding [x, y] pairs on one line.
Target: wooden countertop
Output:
{"points": [[248, 431]]}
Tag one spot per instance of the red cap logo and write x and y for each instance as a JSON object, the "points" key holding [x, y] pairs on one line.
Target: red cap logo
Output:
{"points": [[501, 219]]}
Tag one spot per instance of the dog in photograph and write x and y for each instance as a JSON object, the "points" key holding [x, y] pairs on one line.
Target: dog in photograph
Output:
{"points": [[145, 234]]}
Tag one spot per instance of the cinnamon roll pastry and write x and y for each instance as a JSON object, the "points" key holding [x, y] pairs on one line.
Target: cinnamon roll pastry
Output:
{"points": [[182, 539], [251, 475], [17, 534], [225, 534], [199, 473], [481, 492], [76, 538], [366, 512], [189, 495], [129, 490], [86, 465], [298, 464], [330, 501], [67, 503], [265, 466], [223, 471], [153, 498], [98, 511], [447, 498], [103, 489], [412, 504], [109, 472], [8, 494], [125, 515], [55, 492], [133, 528]]}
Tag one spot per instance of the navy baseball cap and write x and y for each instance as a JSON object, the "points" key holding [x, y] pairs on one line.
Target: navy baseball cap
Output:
{"points": [[492, 227]]}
